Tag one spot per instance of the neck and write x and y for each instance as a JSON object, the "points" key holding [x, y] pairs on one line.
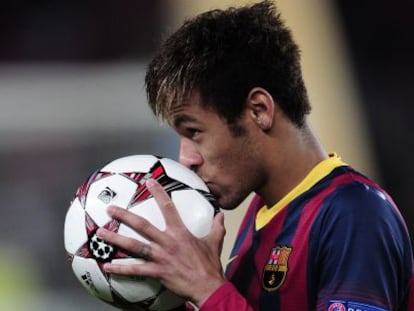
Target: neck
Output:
{"points": [[298, 151]]}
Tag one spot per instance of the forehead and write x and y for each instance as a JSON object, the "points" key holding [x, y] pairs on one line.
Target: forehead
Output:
{"points": [[189, 110], [189, 113]]}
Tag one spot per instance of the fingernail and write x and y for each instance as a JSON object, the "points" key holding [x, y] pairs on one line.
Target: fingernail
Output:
{"points": [[110, 210], [150, 183], [100, 232], [107, 267]]}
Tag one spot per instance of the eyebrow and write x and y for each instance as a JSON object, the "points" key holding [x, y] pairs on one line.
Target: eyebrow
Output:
{"points": [[182, 118]]}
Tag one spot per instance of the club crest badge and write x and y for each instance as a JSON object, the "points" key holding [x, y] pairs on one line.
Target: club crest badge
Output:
{"points": [[276, 268]]}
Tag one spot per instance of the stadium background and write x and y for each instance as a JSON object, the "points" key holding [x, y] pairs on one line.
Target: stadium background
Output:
{"points": [[72, 98]]}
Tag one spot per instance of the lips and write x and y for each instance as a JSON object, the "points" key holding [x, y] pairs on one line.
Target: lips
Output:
{"points": [[209, 185], [213, 189]]}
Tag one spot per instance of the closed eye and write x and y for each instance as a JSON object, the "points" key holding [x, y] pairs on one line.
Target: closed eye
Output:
{"points": [[184, 125], [192, 132]]}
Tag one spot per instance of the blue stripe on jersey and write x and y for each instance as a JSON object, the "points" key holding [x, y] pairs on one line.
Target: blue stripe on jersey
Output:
{"points": [[270, 300], [241, 238], [250, 268]]}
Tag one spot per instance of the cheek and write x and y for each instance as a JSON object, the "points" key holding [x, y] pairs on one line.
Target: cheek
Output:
{"points": [[231, 158], [245, 164], [226, 160], [238, 165]]}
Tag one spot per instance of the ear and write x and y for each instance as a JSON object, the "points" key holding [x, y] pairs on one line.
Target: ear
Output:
{"points": [[261, 107]]}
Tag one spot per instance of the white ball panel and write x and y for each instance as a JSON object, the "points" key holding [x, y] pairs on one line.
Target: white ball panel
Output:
{"points": [[166, 301], [96, 203], [181, 173], [134, 289], [134, 163], [88, 273], [149, 210], [74, 230], [195, 210]]}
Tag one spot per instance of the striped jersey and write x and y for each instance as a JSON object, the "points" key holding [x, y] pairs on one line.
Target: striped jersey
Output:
{"points": [[336, 242]]}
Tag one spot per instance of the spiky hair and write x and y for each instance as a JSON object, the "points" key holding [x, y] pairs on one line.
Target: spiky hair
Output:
{"points": [[222, 55]]}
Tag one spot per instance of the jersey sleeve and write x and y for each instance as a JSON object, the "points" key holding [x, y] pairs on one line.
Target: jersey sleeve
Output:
{"points": [[363, 252], [226, 298]]}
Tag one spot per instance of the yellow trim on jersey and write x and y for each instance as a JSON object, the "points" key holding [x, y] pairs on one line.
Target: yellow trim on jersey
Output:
{"points": [[323, 168]]}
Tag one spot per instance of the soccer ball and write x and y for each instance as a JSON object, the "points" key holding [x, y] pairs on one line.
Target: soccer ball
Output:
{"points": [[122, 183]]}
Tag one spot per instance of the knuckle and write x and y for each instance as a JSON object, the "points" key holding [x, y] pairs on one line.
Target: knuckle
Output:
{"points": [[156, 189], [169, 204], [172, 248], [142, 224], [159, 272], [131, 244]]}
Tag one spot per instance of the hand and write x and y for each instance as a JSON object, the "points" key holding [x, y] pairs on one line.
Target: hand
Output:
{"points": [[186, 265]]}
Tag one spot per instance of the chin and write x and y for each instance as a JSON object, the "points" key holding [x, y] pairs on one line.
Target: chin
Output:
{"points": [[228, 208], [229, 204], [228, 198]]}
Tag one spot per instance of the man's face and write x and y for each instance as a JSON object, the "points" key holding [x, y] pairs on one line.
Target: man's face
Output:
{"points": [[228, 163]]}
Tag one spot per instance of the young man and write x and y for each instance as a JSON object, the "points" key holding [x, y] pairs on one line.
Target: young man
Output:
{"points": [[318, 235]]}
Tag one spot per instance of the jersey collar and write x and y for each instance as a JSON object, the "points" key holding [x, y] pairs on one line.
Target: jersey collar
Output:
{"points": [[321, 170]]}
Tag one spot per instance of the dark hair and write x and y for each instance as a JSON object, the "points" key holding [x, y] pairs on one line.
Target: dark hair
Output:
{"points": [[223, 54]]}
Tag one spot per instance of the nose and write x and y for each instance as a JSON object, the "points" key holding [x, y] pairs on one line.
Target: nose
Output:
{"points": [[189, 155]]}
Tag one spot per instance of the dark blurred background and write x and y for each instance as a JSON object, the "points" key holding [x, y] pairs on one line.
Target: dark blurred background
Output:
{"points": [[380, 36], [79, 31], [72, 99]]}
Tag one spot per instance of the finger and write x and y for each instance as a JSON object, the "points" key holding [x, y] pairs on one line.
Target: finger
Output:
{"points": [[148, 269], [217, 233], [165, 203], [137, 223], [131, 246]]}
